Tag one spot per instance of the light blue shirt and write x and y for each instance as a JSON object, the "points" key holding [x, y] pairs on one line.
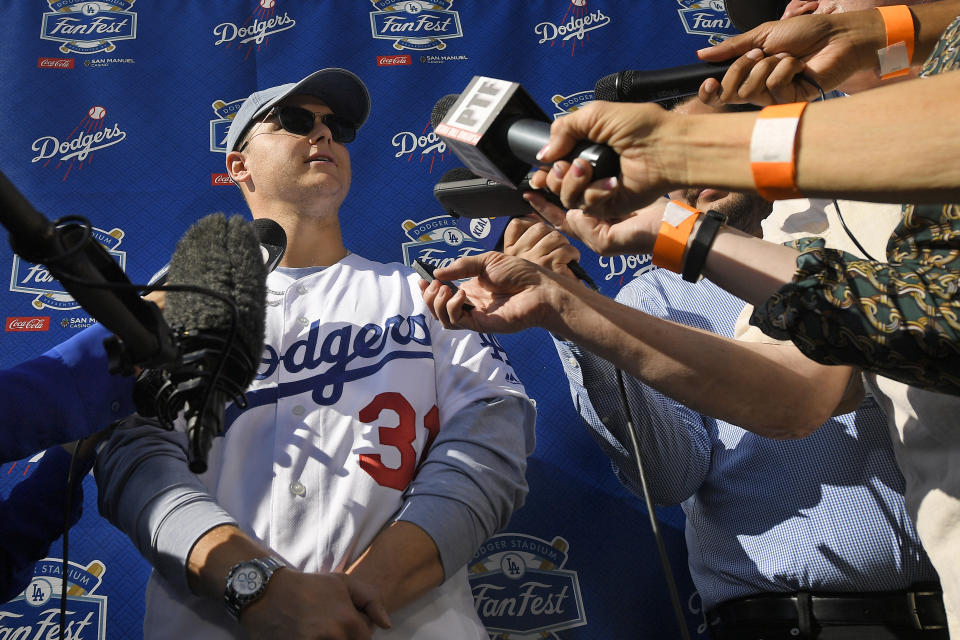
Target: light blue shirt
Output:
{"points": [[823, 513]]}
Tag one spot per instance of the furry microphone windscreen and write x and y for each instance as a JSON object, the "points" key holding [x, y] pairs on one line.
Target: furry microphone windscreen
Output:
{"points": [[222, 255]]}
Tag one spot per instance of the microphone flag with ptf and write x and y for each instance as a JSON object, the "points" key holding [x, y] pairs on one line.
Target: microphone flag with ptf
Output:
{"points": [[219, 323], [496, 129]]}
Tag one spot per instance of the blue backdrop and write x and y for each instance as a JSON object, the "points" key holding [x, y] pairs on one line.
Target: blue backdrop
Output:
{"points": [[116, 110]]}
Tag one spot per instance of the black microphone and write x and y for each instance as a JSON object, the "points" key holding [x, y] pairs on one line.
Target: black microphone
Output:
{"points": [[496, 129], [94, 279], [221, 337], [659, 84]]}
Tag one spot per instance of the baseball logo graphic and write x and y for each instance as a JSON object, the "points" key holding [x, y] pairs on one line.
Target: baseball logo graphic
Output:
{"points": [[267, 4], [97, 113]]}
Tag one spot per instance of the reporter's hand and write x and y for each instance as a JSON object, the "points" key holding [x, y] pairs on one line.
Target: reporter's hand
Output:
{"points": [[327, 606], [532, 239], [635, 132], [508, 294], [826, 48], [633, 233]]}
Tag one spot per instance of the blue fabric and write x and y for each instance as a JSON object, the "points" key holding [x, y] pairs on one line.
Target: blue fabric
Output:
{"points": [[823, 513], [61, 396]]}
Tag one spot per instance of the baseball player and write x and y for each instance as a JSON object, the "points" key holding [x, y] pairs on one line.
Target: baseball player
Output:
{"points": [[377, 450]]}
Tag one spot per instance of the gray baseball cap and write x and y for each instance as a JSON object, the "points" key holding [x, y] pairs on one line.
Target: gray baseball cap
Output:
{"points": [[747, 14], [342, 90]]}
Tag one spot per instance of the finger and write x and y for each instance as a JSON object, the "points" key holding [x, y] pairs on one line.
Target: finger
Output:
{"points": [[455, 308], [539, 179], [516, 237], [575, 181], [784, 82], [430, 291], [365, 598], [737, 74], [799, 7], [709, 92], [754, 88], [556, 174], [545, 209], [731, 47], [564, 134], [600, 193], [466, 267]]}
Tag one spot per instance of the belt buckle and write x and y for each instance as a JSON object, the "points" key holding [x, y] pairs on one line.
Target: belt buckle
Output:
{"points": [[915, 613]]}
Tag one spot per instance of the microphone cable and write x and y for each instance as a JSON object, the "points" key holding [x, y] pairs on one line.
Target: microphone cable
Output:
{"points": [[641, 472], [214, 378]]}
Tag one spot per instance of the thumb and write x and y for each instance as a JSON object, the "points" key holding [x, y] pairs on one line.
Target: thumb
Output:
{"points": [[364, 598], [730, 48], [466, 267]]}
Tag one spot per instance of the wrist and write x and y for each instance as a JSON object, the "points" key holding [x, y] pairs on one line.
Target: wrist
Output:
{"points": [[866, 33], [713, 150]]}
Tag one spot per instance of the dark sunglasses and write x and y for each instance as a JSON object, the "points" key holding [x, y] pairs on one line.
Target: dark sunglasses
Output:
{"points": [[300, 121]]}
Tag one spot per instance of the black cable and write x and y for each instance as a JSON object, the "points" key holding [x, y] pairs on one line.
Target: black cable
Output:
{"points": [[843, 223], [68, 499]]}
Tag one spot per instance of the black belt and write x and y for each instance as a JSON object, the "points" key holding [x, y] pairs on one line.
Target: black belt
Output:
{"points": [[921, 610]]}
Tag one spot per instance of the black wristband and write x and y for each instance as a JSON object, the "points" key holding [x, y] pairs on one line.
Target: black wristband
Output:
{"points": [[700, 246]]}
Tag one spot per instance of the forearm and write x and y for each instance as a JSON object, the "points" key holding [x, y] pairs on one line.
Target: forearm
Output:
{"points": [[402, 562], [741, 383], [852, 148]]}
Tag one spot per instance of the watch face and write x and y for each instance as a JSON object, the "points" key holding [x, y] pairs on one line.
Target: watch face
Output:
{"points": [[247, 580]]}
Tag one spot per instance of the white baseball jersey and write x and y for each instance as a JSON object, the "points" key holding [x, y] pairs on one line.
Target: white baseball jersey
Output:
{"points": [[356, 379]]}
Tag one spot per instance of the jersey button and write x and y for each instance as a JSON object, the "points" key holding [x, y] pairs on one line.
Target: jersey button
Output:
{"points": [[297, 489], [303, 321], [302, 289], [298, 410]]}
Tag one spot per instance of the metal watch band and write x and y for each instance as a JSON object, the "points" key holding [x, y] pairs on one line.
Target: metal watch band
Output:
{"points": [[236, 602]]}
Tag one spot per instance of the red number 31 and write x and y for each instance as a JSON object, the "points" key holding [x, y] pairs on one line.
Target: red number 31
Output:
{"points": [[400, 437]]}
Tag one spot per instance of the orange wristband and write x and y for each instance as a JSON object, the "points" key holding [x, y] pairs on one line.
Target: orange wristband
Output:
{"points": [[772, 151], [675, 230], [895, 58]]}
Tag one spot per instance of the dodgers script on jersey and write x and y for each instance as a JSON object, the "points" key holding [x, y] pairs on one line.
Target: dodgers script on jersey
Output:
{"points": [[356, 380]]}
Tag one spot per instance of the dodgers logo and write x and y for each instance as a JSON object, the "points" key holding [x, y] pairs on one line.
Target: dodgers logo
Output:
{"points": [[706, 18], [625, 268], [426, 146], [569, 104], [225, 112], [85, 26], [520, 587], [573, 28], [34, 279], [91, 134], [35, 613], [415, 24], [263, 22]]}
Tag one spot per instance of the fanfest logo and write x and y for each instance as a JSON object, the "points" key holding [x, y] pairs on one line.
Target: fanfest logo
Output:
{"points": [[419, 25], [264, 21], [573, 28], [520, 587], [225, 112], [393, 61], [35, 613], [37, 323], [89, 26], [569, 104], [706, 18], [426, 147], [625, 268], [34, 279], [438, 241], [55, 63], [91, 134]]}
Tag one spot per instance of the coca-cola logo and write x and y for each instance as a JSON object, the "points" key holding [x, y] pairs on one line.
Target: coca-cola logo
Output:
{"points": [[55, 63], [220, 179], [36, 323], [390, 61]]}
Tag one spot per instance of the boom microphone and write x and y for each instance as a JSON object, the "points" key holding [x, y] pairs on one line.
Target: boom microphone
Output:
{"points": [[496, 129], [657, 85], [94, 279], [221, 336]]}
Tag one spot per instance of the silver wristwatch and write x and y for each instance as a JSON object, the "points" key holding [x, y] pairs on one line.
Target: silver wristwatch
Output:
{"points": [[247, 581]]}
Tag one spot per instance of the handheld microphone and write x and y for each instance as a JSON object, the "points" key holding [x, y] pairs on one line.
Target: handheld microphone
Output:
{"points": [[89, 274], [220, 329], [496, 129], [659, 84]]}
